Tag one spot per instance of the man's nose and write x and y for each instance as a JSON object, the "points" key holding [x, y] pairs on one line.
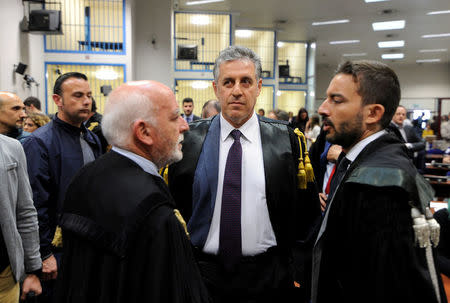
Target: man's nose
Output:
{"points": [[323, 108], [183, 125]]}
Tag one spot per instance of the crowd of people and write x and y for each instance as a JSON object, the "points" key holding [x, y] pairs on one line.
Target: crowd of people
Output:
{"points": [[148, 204]]}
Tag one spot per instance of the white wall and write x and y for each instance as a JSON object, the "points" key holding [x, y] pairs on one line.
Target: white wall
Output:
{"points": [[152, 22], [421, 84]]}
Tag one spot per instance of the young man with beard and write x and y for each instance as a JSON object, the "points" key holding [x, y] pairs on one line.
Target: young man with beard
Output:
{"points": [[126, 242], [55, 152], [366, 249]]}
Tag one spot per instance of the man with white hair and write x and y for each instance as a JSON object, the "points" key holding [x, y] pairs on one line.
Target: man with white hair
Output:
{"points": [[126, 242]]}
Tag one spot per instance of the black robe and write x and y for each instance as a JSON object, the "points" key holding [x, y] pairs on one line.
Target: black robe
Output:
{"points": [[367, 252], [122, 241]]}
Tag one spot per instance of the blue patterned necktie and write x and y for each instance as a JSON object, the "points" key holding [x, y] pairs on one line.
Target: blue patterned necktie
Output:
{"points": [[230, 243]]}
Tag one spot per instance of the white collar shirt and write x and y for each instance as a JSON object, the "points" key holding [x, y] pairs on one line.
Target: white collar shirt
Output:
{"points": [[256, 229], [147, 165]]}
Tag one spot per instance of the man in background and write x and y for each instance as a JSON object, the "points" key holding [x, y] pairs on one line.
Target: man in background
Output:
{"points": [[19, 236], [188, 109], [126, 242], [55, 152], [94, 124], [12, 113], [210, 108], [32, 105]]}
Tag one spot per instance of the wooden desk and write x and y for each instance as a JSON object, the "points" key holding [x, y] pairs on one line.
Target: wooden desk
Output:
{"points": [[441, 184]]}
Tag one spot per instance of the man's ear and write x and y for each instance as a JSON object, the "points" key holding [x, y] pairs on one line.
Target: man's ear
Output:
{"points": [[374, 113], [57, 99], [143, 132]]}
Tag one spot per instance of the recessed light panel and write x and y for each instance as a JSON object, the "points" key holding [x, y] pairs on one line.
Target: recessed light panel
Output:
{"points": [[355, 55], [370, 1], [436, 35], [202, 2], [330, 22], [393, 56], [388, 25], [437, 50], [344, 42], [428, 60], [387, 44], [438, 12]]}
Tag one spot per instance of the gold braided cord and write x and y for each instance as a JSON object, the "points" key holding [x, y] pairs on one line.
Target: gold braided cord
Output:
{"points": [[301, 173]]}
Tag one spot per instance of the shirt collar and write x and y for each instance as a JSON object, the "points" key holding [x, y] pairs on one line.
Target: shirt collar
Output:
{"points": [[355, 150], [249, 129], [147, 165]]}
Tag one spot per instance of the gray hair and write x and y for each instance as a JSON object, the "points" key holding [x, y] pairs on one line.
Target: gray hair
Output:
{"points": [[237, 52], [122, 109]]}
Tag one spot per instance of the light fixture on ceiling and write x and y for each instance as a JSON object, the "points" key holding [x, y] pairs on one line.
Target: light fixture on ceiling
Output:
{"points": [[388, 25], [438, 12], [200, 19], [386, 44], [436, 35], [243, 33], [354, 55], [280, 44], [370, 1], [344, 42], [437, 50], [313, 45], [106, 74], [330, 22], [393, 56], [200, 84], [279, 93], [202, 2], [428, 60]]}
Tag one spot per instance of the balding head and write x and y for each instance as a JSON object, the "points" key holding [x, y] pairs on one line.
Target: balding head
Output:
{"points": [[11, 112], [142, 116]]}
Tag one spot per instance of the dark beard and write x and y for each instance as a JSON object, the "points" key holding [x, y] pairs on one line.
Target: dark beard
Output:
{"points": [[348, 135]]}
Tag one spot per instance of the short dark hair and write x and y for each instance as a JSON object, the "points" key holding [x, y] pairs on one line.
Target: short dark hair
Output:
{"points": [[93, 106], [377, 84], [32, 101], [57, 89], [188, 100]]}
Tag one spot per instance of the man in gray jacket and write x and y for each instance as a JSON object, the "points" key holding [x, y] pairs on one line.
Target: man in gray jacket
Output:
{"points": [[19, 238]]}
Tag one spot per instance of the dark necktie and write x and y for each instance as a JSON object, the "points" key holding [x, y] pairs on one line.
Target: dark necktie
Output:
{"points": [[339, 174], [230, 243]]}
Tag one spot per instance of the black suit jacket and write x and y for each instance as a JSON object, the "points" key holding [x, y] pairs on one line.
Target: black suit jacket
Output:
{"points": [[122, 239]]}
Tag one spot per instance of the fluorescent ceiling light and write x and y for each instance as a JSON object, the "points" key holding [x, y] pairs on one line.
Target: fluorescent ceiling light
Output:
{"points": [[437, 50], [436, 35], [393, 56], [388, 25], [280, 44], [370, 1], [355, 55], [243, 33], [438, 12], [106, 74], [344, 42], [385, 44], [428, 60], [200, 19], [202, 2], [313, 45], [330, 22], [279, 93], [200, 84]]}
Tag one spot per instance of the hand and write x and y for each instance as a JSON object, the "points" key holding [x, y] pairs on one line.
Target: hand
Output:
{"points": [[31, 283], [333, 153], [49, 268], [323, 201]]}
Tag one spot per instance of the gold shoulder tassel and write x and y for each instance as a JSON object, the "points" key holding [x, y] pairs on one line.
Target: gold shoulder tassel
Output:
{"points": [[308, 167], [301, 173], [181, 219], [164, 172], [57, 238], [92, 126]]}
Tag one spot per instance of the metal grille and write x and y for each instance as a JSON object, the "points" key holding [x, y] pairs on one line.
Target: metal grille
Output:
{"points": [[262, 43], [265, 99], [199, 38], [199, 90], [98, 76], [92, 26], [293, 56], [291, 100]]}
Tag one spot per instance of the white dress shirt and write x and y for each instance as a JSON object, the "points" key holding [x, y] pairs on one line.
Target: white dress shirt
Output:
{"points": [[147, 165], [256, 229], [356, 150]]}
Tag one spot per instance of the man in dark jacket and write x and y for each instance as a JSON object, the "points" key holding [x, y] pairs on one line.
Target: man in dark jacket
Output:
{"points": [[55, 152], [126, 242], [366, 250]]}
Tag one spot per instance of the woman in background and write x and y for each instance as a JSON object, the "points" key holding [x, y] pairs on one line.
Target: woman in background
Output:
{"points": [[34, 121], [300, 120]]}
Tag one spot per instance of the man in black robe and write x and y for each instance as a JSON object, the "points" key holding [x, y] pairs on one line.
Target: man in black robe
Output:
{"points": [[123, 239], [366, 250], [276, 209]]}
